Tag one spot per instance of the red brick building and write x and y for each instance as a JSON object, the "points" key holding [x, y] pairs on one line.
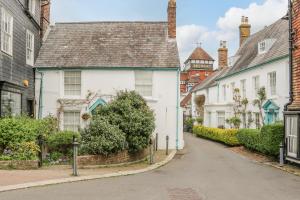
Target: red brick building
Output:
{"points": [[197, 68], [292, 114]]}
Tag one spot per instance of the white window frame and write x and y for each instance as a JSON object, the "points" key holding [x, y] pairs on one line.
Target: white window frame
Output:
{"points": [[221, 118], [243, 89], [292, 135], [232, 89], [224, 92], [272, 82], [7, 22], [144, 83], [29, 48], [32, 6], [75, 92], [262, 47], [75, 123], [256, 85]]}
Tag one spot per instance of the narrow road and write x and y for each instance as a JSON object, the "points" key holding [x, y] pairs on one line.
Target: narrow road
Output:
{"points": [[205, 171]]}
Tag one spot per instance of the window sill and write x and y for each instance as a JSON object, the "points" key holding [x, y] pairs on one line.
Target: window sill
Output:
{"points": [[6, 53], [151, 99]]}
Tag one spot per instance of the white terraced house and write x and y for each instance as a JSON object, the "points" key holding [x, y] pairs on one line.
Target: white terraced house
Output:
{"points": [[261, 61], [102, 58]]}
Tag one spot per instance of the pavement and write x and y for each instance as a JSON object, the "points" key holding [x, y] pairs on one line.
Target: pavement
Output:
{"points": [[205, 170]]}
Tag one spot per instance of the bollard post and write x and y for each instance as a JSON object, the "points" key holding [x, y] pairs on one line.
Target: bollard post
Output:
{"points": [[151, 151], [167, 145], [41, 142], [156, 143], [75, 152], [281, 161]]}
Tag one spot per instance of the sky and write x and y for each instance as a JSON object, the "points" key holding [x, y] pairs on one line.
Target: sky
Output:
{"points": [[198, 21]]}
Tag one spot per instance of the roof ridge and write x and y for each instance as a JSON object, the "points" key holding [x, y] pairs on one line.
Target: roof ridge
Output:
{"points": [[104, 22]]}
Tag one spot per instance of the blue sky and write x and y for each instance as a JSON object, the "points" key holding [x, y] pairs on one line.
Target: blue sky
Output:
{"points": [[205, 21]]}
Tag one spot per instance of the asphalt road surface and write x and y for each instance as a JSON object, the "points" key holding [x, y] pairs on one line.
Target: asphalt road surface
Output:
{"points": [[205, 170]]}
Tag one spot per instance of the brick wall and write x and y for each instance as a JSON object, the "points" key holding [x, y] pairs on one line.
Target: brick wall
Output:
{"points": [[119, 158], [45, 16], [296, 56], [223, 55]]}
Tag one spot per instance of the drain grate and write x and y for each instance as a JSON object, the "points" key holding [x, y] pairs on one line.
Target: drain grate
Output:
{"points": [[183, 194]]}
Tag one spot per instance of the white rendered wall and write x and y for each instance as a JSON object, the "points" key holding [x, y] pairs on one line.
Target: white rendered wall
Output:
{"points": [[216, 101], [109, 82]]}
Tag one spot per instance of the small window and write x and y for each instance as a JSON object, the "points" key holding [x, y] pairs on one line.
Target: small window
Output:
{"points": [[243, 88], [72, 121], [6, 32], [272, 83], [143, 82], [256, 85], [257, 121], [32, 6], [262, 47], [10, 104], [224, 92], [72, 83], [29, 48], [221, 119]]}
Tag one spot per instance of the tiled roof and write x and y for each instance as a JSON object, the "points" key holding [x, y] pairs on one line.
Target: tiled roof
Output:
{"points": [[210, 81], [248, 56], [200, 54], [186, 100], [109, 44]]}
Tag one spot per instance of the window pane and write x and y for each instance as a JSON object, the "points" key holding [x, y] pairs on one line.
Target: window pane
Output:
{"points": [[143, 82], [72, 83], [72, 120], [10, 103]]}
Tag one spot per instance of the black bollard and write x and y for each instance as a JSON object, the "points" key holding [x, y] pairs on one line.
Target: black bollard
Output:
{"points": [[167, 145]]}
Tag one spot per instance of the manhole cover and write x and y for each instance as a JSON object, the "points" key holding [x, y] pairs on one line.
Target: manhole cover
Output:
{"points": [[183, 194]]}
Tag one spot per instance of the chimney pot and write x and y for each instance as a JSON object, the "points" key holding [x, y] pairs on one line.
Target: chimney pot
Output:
{"points": [[245, 30], [223, 55]]}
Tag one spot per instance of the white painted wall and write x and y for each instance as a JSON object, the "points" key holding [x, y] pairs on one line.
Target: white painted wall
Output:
{"points": [[216, 102], [109, 82]]}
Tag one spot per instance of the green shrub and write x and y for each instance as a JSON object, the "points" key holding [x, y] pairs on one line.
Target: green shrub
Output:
{"points": [[271, 137], [62, 141], [14, 131], [199, 120], [102, 138], [189, 124], [266, 141], [129, 112], [226, 136], [250, 138]]}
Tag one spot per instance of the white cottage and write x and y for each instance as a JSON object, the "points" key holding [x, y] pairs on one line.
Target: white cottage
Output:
{"points": [[83, 65], [261, 61]]}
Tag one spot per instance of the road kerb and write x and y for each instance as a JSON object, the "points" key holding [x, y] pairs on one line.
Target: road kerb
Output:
{"points": [[86, 178]]}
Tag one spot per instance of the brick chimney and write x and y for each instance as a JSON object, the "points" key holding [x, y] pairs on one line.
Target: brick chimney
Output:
{"points": [[45, 16], [223, 55], [245, 30], [172, 19]]}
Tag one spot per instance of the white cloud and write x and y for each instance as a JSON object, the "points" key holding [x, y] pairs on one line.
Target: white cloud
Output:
{"points": [[260, 15]]}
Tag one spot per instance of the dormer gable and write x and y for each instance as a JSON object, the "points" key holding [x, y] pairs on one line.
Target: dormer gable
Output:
{"points": [[265, 45]]}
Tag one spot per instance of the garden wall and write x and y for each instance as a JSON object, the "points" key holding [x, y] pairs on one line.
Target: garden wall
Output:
{"points": [[119, 158], [20, 165]]}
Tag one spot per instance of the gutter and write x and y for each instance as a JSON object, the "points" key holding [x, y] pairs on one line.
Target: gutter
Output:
{"points": [[253, 67], [40, 111], [291, 34], [177, 111], [108, 68]]}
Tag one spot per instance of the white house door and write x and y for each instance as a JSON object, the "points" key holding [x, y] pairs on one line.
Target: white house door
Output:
{"points": [[292, 136]]}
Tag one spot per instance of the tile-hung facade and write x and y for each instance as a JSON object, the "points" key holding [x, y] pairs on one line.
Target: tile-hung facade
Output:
{"points": [[102, 58], [20, 42], [261, 61]]}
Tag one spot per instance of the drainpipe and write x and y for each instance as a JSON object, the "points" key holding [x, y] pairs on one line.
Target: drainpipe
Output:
{"points": [[177, 110], [40, 112], [291, 36]]}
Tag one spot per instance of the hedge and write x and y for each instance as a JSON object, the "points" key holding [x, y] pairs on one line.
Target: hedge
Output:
{"points": [[266, 141], [226, 136]]}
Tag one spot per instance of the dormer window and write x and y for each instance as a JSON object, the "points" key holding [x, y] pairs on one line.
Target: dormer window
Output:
{"points": [[265, 45]]}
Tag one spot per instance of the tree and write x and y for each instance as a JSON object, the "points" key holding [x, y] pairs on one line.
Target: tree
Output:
{"points": [[261, 98], [199, 101]]}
